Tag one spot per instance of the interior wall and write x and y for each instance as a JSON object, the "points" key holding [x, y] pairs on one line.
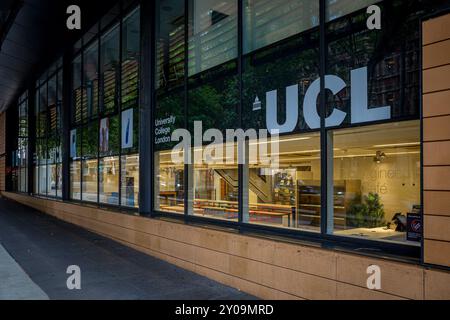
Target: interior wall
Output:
{"points": [[396, 180]]}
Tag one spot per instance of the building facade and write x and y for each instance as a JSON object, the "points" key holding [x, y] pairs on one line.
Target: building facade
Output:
{"points": [[134, 132]]}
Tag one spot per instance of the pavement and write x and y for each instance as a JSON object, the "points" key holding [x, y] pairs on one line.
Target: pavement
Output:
{"points": [[36, 250]]}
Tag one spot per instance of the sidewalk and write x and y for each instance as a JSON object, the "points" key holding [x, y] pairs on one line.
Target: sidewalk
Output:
{"points": [[15, 283], [41, 248]]}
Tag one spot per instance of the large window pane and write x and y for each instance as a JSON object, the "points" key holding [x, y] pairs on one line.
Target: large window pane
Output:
{"points": [[287, 195], [89, 163], [42, 180], [59, 180], [77, 90], [379, 67], [89, 180], [286, 69], [90, 82], [90, 141], [170, 107], [215, 183], [169, 183], [75, 182], [266, 22], [53, 150], [376, 178], [213, 99], [51, 180], [213, 33], [170, 45], [109, 180], [130, 181], [110, 49], [130, 60], [41, 150]]}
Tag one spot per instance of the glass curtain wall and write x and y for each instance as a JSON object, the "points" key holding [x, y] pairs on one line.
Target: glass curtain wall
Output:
{"points": [[105, 119], [365, 131]]}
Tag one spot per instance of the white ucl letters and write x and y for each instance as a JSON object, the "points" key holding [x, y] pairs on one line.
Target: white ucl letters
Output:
{"points": [[360, 111]]}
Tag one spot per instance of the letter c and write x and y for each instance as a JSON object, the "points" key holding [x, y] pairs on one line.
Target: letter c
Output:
{"points": [[312, 118]]}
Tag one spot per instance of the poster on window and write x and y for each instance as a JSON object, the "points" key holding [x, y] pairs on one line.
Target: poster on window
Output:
{"points": [[73, 143], [104, 135], [127, 129]]}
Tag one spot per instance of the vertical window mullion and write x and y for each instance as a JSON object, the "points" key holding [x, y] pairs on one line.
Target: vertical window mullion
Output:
{"points": [[99, 105], [119, 102], [81, 126], [186, 100], [240, 70], [323, 132]]}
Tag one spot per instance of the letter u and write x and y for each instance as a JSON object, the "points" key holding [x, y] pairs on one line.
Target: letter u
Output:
{"points": [[291, 110]]}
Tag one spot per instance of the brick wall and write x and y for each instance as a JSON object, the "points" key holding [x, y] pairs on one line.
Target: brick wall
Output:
{"points": [[436, 137]]}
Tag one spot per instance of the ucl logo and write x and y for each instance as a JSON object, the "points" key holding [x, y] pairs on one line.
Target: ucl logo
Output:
{"points": [[359, 110]]}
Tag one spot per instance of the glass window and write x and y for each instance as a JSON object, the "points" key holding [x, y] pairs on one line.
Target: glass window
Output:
{"points": [[110, 53], [130, 60], [169, 183], [170, 106], [213, 98], [90, 140], [89, 181], [339, 8], [288, 194], [273, 74], [266, 22], [380, 68], [36, 179], [51, 105], [215, 183], [213, 33], [90, 82], [75, 180], [170, 45], [59, 180], [109, 180], [89, 164], [53, 146], [130, 181], [42, 115], [77, 90], [376, 178]]}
